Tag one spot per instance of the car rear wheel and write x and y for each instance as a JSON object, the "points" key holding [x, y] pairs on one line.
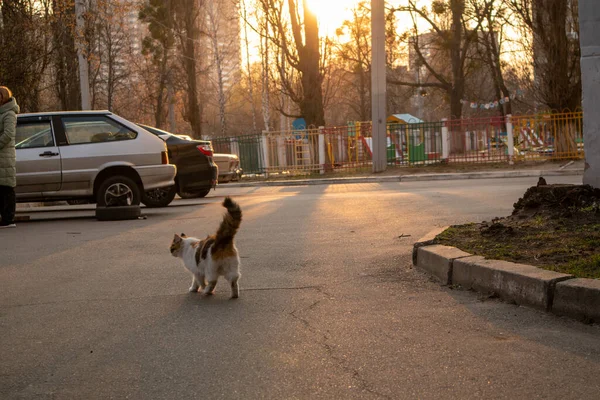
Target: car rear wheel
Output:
{"points": [[118, 191], [194, 195], [160, 197]]}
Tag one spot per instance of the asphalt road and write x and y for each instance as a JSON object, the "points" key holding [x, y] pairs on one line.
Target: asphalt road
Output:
{"points": [[330, 306]]}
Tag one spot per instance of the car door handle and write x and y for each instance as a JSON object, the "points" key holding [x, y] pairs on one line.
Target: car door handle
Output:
{"points": [[48, 154]]}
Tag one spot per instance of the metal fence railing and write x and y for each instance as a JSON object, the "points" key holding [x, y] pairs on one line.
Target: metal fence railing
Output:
{"points": [[249, 149], [549, 136], [415, 143], [476, 140]]}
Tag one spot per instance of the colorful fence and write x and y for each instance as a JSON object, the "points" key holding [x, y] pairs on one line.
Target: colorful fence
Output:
{"points": [[481, 140], [548, 136], [477, 140]]}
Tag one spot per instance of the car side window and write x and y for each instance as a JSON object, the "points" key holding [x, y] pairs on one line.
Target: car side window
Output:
{"points": [[34, 134], [95, 129]]}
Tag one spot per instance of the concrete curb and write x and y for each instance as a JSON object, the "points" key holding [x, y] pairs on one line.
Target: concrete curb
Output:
{"points": [[561, 294], [518, 283], [438, 261], [426, 240], [579, 298], [413, 178]]}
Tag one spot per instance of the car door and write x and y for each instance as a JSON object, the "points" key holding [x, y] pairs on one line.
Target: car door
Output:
{"points": [[38, 157], [94, 141]]}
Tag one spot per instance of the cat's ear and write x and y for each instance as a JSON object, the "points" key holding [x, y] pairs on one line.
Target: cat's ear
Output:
{"points": [[177, 238], [183, 235]]}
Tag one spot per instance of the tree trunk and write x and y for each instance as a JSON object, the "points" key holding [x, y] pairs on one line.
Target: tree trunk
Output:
{"points": [[65, 62], [456, 49], [250, 80], [159, 112], [194, 112], [311, 105], [266, 100]]}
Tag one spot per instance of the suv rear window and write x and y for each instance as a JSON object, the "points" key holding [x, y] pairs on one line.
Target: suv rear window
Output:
{"points": [[95, 129]]}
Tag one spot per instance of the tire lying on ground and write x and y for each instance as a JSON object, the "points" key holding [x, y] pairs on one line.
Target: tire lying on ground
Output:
{"points": [[117, 213]]}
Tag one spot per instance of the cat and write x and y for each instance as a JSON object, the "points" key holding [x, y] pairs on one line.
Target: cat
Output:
{"points": [[214, 256]]}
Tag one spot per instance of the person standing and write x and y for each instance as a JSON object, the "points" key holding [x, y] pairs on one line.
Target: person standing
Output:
{"points": [[8, 157]]}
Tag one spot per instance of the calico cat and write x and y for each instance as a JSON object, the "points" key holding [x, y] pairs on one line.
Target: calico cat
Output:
{"points": [[214, 256]]}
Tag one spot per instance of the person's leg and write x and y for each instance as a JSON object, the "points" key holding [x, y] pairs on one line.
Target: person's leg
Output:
{"points": [[11, 204], [7, 205], [2, 202]]}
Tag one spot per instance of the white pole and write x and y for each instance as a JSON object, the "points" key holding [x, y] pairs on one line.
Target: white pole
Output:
{"points": [[378, 85], [84, 80], [510, 141], [265, 152], [321, 150], [445, 140]]}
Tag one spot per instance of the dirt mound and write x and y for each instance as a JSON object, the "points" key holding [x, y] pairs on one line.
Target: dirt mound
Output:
{"points": [[557, 200], [556, 227]]}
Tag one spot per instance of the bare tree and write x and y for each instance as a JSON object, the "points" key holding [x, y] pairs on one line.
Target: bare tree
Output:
{"points": [[158, 45], [265, 74], [244, 16], [356, 57], [550, 32], [65, 65], [491, 40], [446, 49], [110, 47], [296, 33], [23, 62], [222, 29], [188, 17]]}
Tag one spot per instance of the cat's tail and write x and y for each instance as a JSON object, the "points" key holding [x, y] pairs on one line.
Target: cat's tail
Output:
{"points": [[230, 224]]}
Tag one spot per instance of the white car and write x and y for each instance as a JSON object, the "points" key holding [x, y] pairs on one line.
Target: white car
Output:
{"points": [[229, 167], [88, 155]]}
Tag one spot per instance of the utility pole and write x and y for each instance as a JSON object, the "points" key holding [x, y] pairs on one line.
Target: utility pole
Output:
{"points": [[589, 16], [84, 80], [378, 85]]}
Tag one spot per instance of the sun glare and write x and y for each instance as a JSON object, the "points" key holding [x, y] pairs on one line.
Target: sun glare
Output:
{"points": [[331, 13]]}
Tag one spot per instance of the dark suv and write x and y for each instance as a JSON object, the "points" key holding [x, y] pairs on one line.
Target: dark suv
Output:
{"points": [[196, 171]]}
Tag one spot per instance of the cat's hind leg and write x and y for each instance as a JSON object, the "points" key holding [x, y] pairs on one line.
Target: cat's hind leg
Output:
{"points": [[235, 290], [233, 277]]}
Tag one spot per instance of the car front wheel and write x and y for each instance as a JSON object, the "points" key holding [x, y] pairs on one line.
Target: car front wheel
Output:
{"points": [[160, 197], [118, 191]]}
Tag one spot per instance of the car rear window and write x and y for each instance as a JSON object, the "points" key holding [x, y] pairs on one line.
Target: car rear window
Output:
{"points": [[95, 129]]}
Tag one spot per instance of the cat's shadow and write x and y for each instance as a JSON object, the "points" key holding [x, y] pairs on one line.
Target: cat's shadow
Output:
{"points": [[191, 301]]}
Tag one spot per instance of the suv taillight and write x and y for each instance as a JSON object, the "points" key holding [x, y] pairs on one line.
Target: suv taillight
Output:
{"points": [[164, 157], [205, 149]]}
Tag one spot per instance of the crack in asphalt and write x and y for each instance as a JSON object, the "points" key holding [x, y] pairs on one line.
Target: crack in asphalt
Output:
{"points": [[363, 384]]}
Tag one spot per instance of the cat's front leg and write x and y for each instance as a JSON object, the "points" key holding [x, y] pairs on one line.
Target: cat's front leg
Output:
{"points": [[201, 281], [195, 286], [210, 288]]}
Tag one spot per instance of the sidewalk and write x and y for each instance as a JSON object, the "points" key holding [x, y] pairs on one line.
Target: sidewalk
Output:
{"points": [[414, 174]]}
